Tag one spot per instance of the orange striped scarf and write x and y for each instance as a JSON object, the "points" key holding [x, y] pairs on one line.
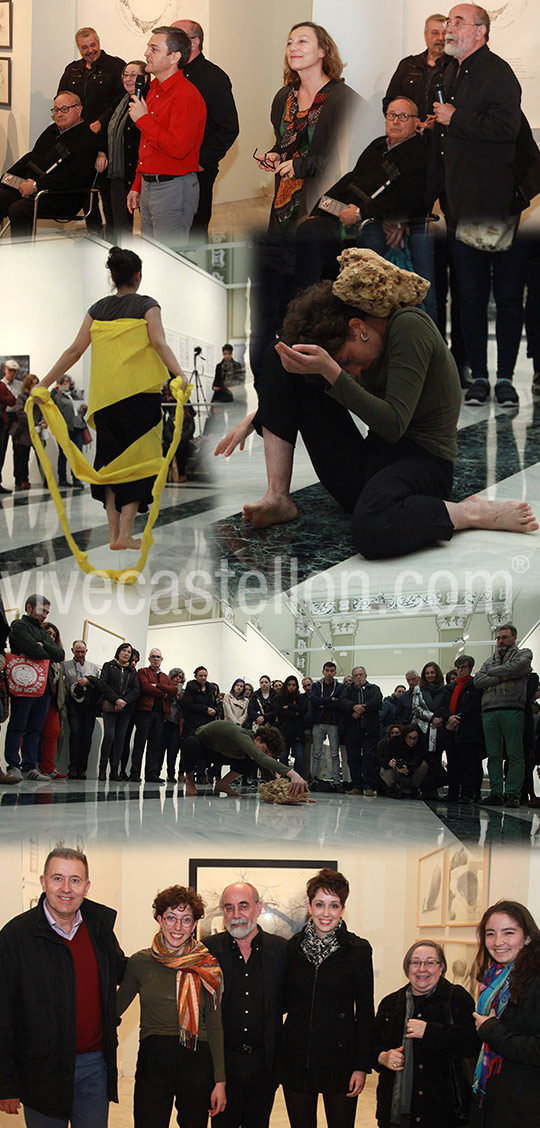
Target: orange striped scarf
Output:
{"points": [[195, 966]]}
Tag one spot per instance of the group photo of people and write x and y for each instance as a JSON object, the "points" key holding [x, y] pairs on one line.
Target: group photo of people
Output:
{"points": [[270, 509]]}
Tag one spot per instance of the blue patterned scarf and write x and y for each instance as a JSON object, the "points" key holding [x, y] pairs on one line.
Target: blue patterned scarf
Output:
{"points": [[493, 996]]}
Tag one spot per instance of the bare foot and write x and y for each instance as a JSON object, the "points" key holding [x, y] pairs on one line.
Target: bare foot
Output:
{"points": [[505, 516], [129, 542], [270, 511], [222, 788], [190, 789]]}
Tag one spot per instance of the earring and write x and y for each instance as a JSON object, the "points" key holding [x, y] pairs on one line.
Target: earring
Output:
{"points": [[364, 336]]}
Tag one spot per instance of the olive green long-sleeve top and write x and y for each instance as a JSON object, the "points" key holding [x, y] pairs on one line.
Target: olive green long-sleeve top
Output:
{"points": [[155, 983], [412, 390], [236, 743]]}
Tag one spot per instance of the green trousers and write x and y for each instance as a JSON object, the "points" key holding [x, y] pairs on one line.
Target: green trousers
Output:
{"points": [[503, 733]]}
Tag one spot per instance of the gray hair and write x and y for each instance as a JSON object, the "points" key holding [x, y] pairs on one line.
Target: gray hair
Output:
{"points": [[424, 944], [66, 854]]}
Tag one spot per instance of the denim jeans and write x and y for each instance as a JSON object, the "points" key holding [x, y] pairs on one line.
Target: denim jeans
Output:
{"points": [[26, 722], [90, 1098]]}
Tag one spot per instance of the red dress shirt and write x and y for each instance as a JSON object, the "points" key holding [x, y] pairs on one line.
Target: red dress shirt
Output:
{"points": [[172, 130]]}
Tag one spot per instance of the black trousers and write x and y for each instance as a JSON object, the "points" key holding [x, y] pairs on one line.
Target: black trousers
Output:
{"points": [[340, 1109], [194, 755], [166, 1072], [360, 748], [250, 1095], [114, 731], [394, 491], [148, 731], [20, 210], [170, 744], [464, 767], [81, 727]]}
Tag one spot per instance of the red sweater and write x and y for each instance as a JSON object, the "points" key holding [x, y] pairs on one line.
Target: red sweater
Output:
{"points": [[172, 130], [89, 1023], [150, 690]]}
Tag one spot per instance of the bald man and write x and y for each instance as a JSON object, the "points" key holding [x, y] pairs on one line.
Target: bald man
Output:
{"points": [[253, 963]]}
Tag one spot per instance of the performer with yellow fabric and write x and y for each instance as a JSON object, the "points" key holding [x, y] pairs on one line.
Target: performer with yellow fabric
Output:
{"points": [[179, 984], [130, 364]]}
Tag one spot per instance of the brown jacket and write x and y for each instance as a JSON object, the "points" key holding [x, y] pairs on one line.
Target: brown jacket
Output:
{"points": [[150, 689]]}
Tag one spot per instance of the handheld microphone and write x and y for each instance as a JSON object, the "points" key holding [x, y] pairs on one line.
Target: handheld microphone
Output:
{"points": [[438, 88], [140, 83]]}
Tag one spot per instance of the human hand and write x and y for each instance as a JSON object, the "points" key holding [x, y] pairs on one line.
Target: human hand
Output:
{"points": [[218, 1099], [392, 763], [443, 112], [132, 201], [436, 722], [479, 1019], [394, 232], [10, 1105], [427, 124], [416, 1028], [211, 712], [119, 704], [101, 162], [285, 169], [298, 785], [308, 360], [137, 108], [268, 159], [351, 214], [28, 188], [236, 437], [404, 770], [95, 126], [356, 1083], [453, 722], [392, 1059]]}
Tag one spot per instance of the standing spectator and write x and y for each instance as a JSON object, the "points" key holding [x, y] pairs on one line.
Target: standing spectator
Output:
{"points": [[4, 699], [172, 725], [427, 697], [28, 637], [7, 401], [503, 678], [119, 685], [126, 751], [119, 154], [326, 700], [289, 720], [404, 708], [201, 702], [261, 703], [20, 433], [165, 185], [389, 709], [96, 78], [56, 716], [363, 702], [221, 128], [73, 414], [81, 702], [460, 708], [153, 709], [414, 75], [307, 686], [235, 703]]}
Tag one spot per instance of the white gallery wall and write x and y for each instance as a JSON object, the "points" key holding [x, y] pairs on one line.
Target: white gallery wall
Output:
{"points": [[227, 652]]}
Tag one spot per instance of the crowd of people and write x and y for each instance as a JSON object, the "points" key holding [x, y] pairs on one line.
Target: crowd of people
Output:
{"points": [[212, 1037], [433, 732]]}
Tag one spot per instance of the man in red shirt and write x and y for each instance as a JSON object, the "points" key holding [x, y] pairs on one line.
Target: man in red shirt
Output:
{"points": [[172, 122]]}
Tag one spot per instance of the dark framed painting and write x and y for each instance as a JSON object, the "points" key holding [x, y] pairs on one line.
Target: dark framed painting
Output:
{"points": [[281, 886]]}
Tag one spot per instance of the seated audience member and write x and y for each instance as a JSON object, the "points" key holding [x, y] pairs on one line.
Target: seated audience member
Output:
{"points": [[389, 708], [73, 412], [361, 703], [56, 715], [422, 1033], [381, 753], [29, 638], [81, 706], [427, 696], [403, 764], [235, 703], [460, 709], [61, 161], [290, 713], [415, 75], [221, 742], [179, 984], [120, 689], [396, 161]]}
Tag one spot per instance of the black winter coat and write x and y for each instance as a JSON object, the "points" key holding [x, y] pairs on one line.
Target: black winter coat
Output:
{"points": [[368, 695], [37, 1016], [290, 718], [118, 681], [328, 1031], [469, 730], [449, 1036], [513, 1095], [195, 706]]}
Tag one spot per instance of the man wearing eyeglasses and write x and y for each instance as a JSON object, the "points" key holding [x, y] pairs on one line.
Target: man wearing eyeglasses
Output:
{"points": [[475, 145], [63, 158]]}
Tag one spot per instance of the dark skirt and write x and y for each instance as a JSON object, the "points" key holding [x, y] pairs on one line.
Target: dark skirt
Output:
{"points": [[117, 427]]}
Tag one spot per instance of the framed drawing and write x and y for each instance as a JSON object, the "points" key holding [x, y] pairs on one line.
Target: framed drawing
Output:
{"points": [[430, 889], [460, 956], [466, 887], [101, 642], [281, 886], [5, 82], [6, 25]]}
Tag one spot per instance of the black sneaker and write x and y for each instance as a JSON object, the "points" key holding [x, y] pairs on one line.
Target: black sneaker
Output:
{"points": [[505, 394], [512, 801], [492, 800], [478, 393]]}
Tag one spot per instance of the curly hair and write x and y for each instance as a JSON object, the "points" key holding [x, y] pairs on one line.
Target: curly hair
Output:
{"points": [[330, 881], [317, 317], [527, 963], [178, 897], [332, 64], [273, 739]]}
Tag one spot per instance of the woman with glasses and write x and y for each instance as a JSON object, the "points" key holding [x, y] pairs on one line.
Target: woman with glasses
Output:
{"points": [[403, 765], [119, 685], [120, 154], [179, 984], [422, 1033]]}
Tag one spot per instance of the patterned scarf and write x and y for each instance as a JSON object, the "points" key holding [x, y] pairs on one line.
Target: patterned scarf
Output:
{"points": [[318, 948], [194, 966], [494, 995], [298, 126]]}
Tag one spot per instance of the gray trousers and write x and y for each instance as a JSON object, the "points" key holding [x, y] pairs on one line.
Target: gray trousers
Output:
{"points": [[168, 208]]}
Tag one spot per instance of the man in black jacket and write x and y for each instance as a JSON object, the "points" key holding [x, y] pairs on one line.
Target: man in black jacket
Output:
{"points": [[221, 128], [96, 78], [60, 964], [363, 701], [28, 637], [62, 158], [414, 75], [253, 964]]}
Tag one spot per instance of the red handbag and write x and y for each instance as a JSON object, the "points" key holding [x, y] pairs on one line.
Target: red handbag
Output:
{"points": [[25, 676]]}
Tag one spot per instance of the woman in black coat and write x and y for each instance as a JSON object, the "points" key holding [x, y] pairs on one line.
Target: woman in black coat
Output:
{"points": [[460, 708], [507, 1077], [261, 705], [422, 1032], [290, 719], [119, 685], [328, 993], [119, 158]]}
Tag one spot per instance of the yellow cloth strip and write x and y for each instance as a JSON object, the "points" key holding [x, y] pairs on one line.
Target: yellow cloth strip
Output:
{"points": [[82, 469], [122, 347]]}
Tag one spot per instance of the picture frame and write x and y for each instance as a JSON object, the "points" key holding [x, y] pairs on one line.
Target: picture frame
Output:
{"points": [[101, 642], [460, 957], [5, 82], [466, 885], [281, 885], [431, 889], [6, 25]]}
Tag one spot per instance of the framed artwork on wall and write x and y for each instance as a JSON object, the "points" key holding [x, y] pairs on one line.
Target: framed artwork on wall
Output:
{"points": [[6, 25], [431, 871], [467, 885], [101, 642], [5, 82], [281, 886], [460, 957]]}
